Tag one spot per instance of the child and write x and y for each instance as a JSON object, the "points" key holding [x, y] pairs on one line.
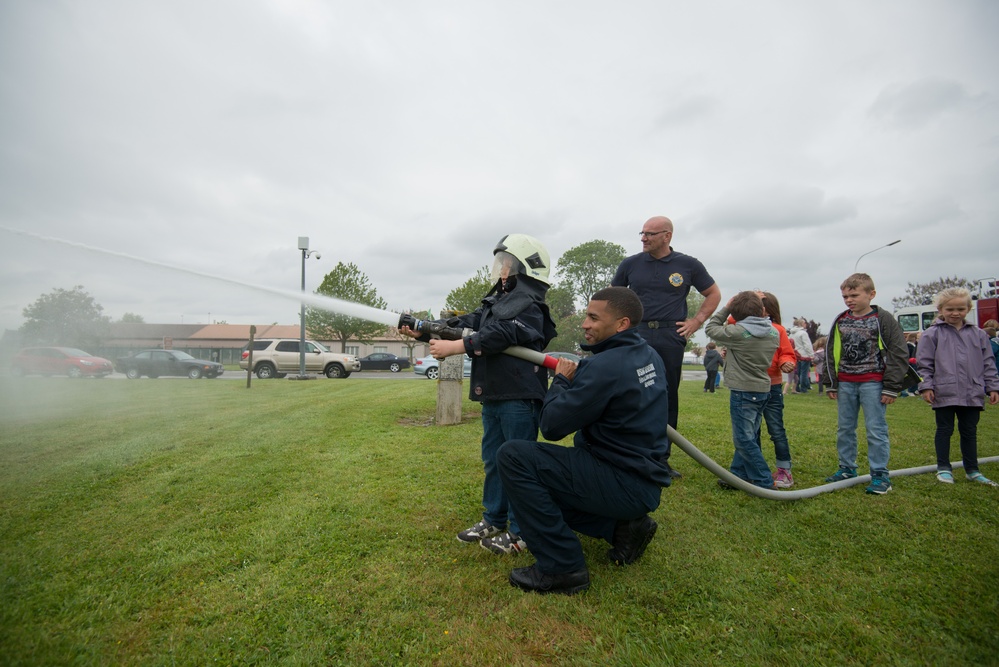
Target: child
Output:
{"points": [[866, 362], [712, 359], [783, 361], [750, 345], [510, 389], [957, 367], [820, 360]]}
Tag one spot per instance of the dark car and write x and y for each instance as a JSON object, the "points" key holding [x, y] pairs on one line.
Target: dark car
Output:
{"points": [[155, 363], [383, 361], [59, 361]]}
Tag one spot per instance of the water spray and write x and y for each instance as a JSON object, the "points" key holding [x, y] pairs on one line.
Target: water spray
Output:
{"points": [[348, 308]]}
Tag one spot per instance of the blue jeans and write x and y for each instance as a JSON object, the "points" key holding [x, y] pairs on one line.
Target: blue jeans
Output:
{"points": [[502, 421], [804, 382], [773, 415], [746, 409], [851, 397]]}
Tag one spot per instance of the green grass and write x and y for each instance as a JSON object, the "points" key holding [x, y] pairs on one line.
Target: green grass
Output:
{"points": [[176, 522]]}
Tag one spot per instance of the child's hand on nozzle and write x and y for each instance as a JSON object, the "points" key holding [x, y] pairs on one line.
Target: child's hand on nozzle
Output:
{"points": [[440, 348], [406, 331]]}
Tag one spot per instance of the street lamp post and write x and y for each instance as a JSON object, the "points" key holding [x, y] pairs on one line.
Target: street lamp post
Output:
{"points": [[875, 250], [303, 245]]}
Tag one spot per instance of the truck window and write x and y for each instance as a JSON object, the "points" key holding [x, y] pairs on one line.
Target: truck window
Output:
{"points": [[928, 318], [909, 322]]}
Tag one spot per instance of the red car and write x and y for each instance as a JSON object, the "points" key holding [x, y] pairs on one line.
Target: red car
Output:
{"points": [[59, 361]]}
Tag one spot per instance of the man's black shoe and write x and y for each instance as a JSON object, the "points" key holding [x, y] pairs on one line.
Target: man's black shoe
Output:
{"points": [[631, 538], [673, 472], [532, 579]]}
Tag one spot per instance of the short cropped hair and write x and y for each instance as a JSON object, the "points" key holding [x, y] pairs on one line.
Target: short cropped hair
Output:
{"points": [[773, 307], [858, 281], [622, 302], [950, 293], [745, 304]]}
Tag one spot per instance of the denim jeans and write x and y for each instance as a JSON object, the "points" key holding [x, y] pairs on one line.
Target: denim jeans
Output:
{"points": [[773, 415], [804, 382], [851, 397], [746, 409], [502, 421]]}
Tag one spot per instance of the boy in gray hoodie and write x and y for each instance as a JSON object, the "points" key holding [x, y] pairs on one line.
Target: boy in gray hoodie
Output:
{"points": [[750, 345]]}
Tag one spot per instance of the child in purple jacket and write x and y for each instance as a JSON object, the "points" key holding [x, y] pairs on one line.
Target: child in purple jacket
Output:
{"points": [[955, 362]]}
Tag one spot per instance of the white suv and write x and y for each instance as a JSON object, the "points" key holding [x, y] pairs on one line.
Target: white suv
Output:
{"points": [[276, 357]]}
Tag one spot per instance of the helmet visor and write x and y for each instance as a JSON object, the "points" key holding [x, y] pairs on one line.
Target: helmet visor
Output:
{"points": [[504, 266]]}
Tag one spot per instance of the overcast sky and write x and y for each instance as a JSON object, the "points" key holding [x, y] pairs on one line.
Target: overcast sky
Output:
{"points": [[785, 139]]}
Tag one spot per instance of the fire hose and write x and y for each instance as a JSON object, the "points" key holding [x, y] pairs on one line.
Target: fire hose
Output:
{"points": [[542, 359]]}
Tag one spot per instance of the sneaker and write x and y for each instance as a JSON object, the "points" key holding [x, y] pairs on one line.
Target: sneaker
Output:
{"points": [[533, 580], [880, 485], [479, 532], [980, 478], [841, 474], [783, 478], [631, 538], [507, 543], [945, 476]]}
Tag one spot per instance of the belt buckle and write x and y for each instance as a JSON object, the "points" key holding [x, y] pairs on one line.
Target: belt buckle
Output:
{"points": [[653, 324]]}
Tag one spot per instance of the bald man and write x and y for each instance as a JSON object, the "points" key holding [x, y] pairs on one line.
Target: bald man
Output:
{"points": [[662, 278]]}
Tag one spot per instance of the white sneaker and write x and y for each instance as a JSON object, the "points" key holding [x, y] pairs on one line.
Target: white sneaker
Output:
{"points": [[507, 543]]}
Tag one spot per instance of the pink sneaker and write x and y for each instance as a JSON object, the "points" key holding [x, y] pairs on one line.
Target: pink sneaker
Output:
{"points": [[783, 479]]}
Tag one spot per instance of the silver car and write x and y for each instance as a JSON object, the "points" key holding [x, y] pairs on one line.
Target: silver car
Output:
{"points": [[431, 367]]}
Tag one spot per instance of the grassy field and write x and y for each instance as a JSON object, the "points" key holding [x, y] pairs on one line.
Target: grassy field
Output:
{"points": [[312, 523]]}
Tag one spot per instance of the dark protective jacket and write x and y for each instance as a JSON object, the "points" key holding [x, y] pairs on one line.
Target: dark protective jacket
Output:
{"points": [[891, 346], [616, 404], [519, 317]]}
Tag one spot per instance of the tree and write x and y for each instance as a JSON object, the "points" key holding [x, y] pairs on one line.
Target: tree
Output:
{"points": [[921, 294], [132, 317], [69, 318], [347, 283], [588, 267], [694, 301], [468, 297]]}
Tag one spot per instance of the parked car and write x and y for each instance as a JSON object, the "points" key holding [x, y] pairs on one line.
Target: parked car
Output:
{"points": [[383, 361], [59, 361], [431, 367], [276, 357], [156, 363]]}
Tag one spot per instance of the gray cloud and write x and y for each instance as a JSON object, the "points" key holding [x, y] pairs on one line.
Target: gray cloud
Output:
{"points": [[915, 104]]}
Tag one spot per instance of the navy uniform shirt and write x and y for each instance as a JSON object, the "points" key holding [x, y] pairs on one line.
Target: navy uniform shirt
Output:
{"points": [[662, 285]]}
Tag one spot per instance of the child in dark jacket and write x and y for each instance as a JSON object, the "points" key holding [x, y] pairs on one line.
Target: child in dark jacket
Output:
{"points": [[712, 360], [957, 369]]}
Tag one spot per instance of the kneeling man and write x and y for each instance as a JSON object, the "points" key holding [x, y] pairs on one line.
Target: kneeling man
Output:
{"points": [[607, 483]]}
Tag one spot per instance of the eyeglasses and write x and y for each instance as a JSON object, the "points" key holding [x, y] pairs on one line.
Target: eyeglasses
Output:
{"points": [[646, 235]]}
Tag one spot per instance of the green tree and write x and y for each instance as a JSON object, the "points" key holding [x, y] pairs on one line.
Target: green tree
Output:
{"points": [[468, 297], [589, 267], [69, 318], [921, 294], [132, 317], [347, 283]]}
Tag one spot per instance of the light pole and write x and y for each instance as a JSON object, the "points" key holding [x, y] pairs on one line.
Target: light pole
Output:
{"points": [[303, 245], [875, 250]]}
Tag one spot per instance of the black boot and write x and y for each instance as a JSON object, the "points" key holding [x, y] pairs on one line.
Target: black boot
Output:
{"points": [[534, 580], [631, 538]]}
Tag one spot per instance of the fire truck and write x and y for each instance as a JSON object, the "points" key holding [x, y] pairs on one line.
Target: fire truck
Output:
{"points": [[984, 307]]}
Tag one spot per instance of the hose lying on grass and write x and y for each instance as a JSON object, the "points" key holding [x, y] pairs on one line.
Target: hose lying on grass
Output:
{"points": [[693, 452], [726, 476]]}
